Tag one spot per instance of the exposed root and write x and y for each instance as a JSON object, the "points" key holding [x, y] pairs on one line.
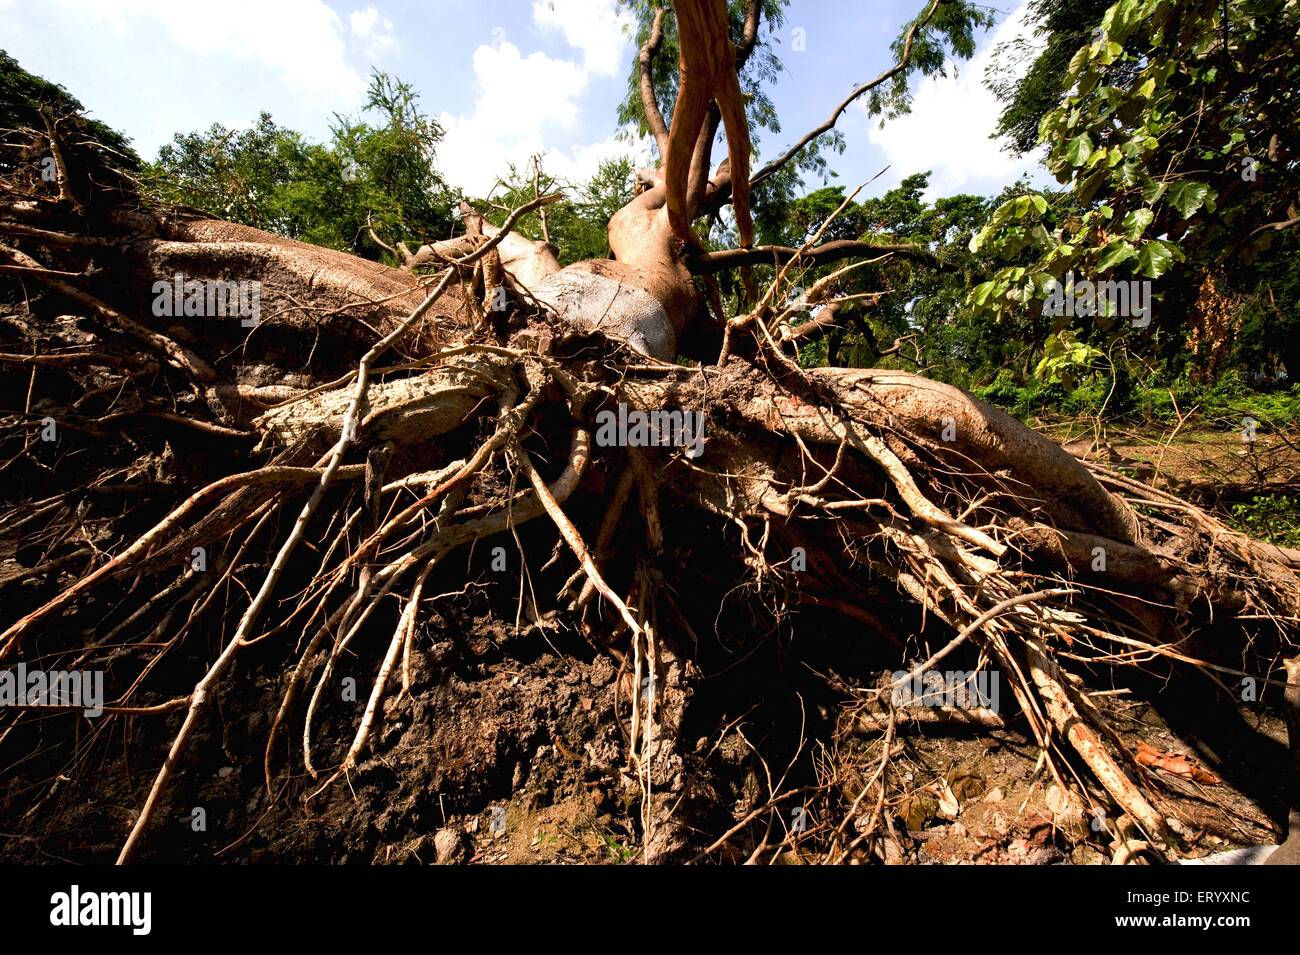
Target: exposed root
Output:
{"points": [[991, 534]]}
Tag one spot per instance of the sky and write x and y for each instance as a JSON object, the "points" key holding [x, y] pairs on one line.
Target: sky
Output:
{"points": [[506, 78]]}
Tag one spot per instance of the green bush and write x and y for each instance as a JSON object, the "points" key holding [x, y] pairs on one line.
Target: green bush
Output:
{"points": [[1270, 517], [1228, 398], [1036, 398]]}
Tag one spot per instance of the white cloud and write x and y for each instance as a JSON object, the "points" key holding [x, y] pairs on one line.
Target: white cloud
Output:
{"points": [[363, 21], [948, 129], [474, 158], [523, 102], [579, 164], [517, 97], [303, 40], [375, 31], [596, 27], [522, 92]]}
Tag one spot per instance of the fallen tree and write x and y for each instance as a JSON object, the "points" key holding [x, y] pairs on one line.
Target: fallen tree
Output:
{"points": [[374, 421]]}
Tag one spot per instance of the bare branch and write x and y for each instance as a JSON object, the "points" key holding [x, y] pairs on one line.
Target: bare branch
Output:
{"points": [[401, 252], [709, 262], [649, 104], [506, 226], [749, 34], [1277, 226], [889, 74], [707, 71], [537, 194]]}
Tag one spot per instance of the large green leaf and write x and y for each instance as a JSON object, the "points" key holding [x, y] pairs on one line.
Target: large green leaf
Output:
{"points": [[1187, 197], [1136, 222], [1078, 149], [1156, 258], [1120, 20], [1115, 253], [979, 295]]}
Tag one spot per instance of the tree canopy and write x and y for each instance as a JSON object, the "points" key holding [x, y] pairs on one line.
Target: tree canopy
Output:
{"points": [[378, 170], [1177, 142]]}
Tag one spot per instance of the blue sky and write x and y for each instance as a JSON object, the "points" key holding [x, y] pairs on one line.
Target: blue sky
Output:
{"points": [[507, 78]]}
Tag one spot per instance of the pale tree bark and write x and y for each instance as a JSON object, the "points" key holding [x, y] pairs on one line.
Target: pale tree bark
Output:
{"points": [[985, 524]]}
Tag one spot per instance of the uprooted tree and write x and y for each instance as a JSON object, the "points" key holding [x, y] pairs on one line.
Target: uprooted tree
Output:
{"points": [[366, 423]]}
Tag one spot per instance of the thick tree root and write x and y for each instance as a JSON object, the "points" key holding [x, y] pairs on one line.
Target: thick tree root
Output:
{"points": [[1032, 558]]}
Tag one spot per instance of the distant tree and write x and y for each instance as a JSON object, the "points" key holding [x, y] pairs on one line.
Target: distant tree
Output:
{"points": [[27, 100], [1060, 27], [240, 175], [921, 319], [370, 175], [579, 227], [393, 163], [759, 27], [1178, 139]]}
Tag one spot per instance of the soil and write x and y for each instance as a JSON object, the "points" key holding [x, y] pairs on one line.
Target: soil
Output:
{"points": [[511, 746]]}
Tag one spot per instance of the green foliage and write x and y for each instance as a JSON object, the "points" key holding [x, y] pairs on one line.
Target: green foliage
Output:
{"points": [[1127, 392], [1038, 399], [578, 228], [1164, 137], [620, 852], [393, 161], [271, 178], [1230, 399], [949, 36], [26, 100], [377, 171], [813, 354], [1066, 360], [1268, 336], [1061, 27], [240, 175], [923, 304], [1268, 517]]}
